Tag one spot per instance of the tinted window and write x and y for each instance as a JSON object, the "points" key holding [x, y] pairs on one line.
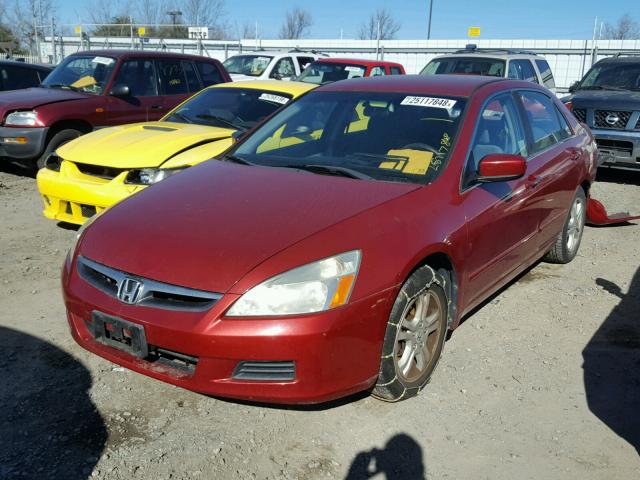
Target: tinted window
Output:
{"points": [[547, 126], [386, 136], [303, 62], [15, 78], [614, 75], [172, 78], [139, 76], [499, 130], [377, 71], [464, 65], [192, 77], [239, 108], [284, 68], [396, 71], [545, 73], [326, 72], [522, 70], [209, 74], [89, 74], [251, 65]]}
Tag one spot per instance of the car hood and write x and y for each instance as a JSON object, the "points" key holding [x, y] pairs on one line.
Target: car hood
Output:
{"points": [[606, 99], [139, 145], [30, 98], [207, 227]]}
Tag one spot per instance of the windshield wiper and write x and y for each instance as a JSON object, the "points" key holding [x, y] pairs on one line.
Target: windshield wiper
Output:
{"points": [[62, 85], [377, 156], [332, 170], [235, 159], [222, 120], [181, 117]]}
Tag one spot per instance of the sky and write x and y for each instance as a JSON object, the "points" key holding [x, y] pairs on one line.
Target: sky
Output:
{"points": [[528, 19]]}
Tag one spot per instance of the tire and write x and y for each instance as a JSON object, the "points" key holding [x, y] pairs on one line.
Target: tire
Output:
{"points": [[59, 139], [419, 316], [568, 241]]}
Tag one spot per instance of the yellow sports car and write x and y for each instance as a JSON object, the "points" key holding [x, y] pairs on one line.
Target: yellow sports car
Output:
{"points": [[94, 171]]}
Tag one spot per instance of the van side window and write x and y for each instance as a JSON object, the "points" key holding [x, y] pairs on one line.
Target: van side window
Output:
{"points": [[545, 73], [522, 70]]}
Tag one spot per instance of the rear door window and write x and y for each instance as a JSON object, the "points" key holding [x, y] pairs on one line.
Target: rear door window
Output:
{"points": [[303, 62], [139, 76], [15, 78], [192, 77], [546, 124], [377, 72], [284, 68], [209, 73], [396, 71], [522, 70], [172, 77], [545, 73]]}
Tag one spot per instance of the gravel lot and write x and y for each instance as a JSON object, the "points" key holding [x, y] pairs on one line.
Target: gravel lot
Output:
{"points": [[542, 382]]}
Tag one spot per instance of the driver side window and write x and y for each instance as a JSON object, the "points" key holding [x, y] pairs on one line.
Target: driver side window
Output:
{"points": [[499, 130], [284, 68], [139, 76]]}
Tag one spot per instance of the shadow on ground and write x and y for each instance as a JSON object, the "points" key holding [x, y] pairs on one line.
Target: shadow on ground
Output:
{"points": [[612, 175], [400, 459], [49, 427], [17, 168], [612, 364]]}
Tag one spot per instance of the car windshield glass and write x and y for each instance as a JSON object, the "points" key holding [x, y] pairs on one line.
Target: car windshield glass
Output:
{"points": [[239, 108], [325, 72], [251, 65], [401, 137], [492, 67], [614, 76], [89, 74]]}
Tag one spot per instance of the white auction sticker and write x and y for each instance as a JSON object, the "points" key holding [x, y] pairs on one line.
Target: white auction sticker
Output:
{"points": [[103, 60], [270, 97], [351, 68], [429, 102]]}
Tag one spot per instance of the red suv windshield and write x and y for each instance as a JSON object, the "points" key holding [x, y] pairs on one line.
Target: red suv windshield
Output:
{"points": [[88, 74]]}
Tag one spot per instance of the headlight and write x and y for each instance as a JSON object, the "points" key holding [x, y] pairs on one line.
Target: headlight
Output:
{"points": [[315, 287], [149, 176], [23, 119], [79, 234]]}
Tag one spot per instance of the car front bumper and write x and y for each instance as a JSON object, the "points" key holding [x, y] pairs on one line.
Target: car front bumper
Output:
{"points": [[618, 148], [22, 143], [73, 197], [335, 353]]}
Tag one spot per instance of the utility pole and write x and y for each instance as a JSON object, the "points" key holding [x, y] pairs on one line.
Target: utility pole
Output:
{"points": [[429, 24], [378, 42], [53, 42]]}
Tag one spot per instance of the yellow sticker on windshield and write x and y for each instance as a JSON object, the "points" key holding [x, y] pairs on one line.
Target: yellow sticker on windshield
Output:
{"points": [[84, 82], [415, 162]]}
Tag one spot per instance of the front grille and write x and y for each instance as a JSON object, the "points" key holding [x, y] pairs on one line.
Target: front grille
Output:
{"points": [[637, 127], [600, 119], [611, 146], [580, 114], [148, 292], [107, 173], [265, 371], [88, 211]]}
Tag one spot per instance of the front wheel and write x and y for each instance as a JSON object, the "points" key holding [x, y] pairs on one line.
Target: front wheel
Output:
{"points": [[568, 241], [59, 139], [414, 338]]}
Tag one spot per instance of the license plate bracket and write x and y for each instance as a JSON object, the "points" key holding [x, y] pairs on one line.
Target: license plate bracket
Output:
{"points": [[121, 334]]}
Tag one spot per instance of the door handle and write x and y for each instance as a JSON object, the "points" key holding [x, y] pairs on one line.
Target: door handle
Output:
{"points": [[574, 153], [534, 180], [156, 107]]}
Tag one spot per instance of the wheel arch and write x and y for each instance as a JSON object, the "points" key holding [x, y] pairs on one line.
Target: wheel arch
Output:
{"points": [[80, 125]]}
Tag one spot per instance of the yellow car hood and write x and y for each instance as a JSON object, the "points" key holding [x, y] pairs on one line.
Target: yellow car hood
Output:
{"points": [[139, 145]]}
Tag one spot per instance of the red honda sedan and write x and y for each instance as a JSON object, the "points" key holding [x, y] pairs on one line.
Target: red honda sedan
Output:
{"points": [[331, 249]]}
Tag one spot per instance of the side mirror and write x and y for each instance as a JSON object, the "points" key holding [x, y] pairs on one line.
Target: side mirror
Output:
{"points": [[120, 91], [501, 167], [573, 87]]}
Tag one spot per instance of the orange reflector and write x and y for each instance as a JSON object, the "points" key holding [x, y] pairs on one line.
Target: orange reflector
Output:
{"points": [[342, 292], [99, 110]]}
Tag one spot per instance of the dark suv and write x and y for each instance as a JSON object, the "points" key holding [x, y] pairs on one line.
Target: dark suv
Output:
{"points": [[96, 89], [607, 99], [16, 75]]}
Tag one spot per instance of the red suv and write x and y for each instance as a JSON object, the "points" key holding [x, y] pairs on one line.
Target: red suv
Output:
{"points": [[96, 89], [327, 70]]}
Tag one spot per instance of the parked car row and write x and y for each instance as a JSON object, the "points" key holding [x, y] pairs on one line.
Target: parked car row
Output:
{"points": [[340, 230]]}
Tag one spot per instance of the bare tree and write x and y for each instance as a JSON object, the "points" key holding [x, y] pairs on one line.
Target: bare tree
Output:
{"points": [[626, 28], [206, 13], [297, 24], [25, 14], [152, 12], [381, 20]]}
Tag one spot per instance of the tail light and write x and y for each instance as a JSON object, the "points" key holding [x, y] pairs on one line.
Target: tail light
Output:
{"points": [[569, 105]]}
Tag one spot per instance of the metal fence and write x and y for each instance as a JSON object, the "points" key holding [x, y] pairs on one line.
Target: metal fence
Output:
{"points": [[569, 59]]}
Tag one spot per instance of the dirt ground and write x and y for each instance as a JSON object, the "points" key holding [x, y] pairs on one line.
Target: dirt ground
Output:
{"points": [[541, 382]]}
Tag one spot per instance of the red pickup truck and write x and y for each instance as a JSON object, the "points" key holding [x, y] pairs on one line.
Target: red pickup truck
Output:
{"points": [[95, 89]]}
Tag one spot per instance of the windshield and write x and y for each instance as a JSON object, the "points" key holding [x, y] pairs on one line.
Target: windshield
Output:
{"points": [[325, 72], [88, 74], [622, 76], [251, 65], [491, 67], [238, 108], [379, 136]]}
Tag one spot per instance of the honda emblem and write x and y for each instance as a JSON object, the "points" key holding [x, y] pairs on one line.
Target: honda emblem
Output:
{"points": [[129, 290]]}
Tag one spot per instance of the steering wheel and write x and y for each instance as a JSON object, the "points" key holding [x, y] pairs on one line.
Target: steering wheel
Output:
{"points": [[420, 146]]}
